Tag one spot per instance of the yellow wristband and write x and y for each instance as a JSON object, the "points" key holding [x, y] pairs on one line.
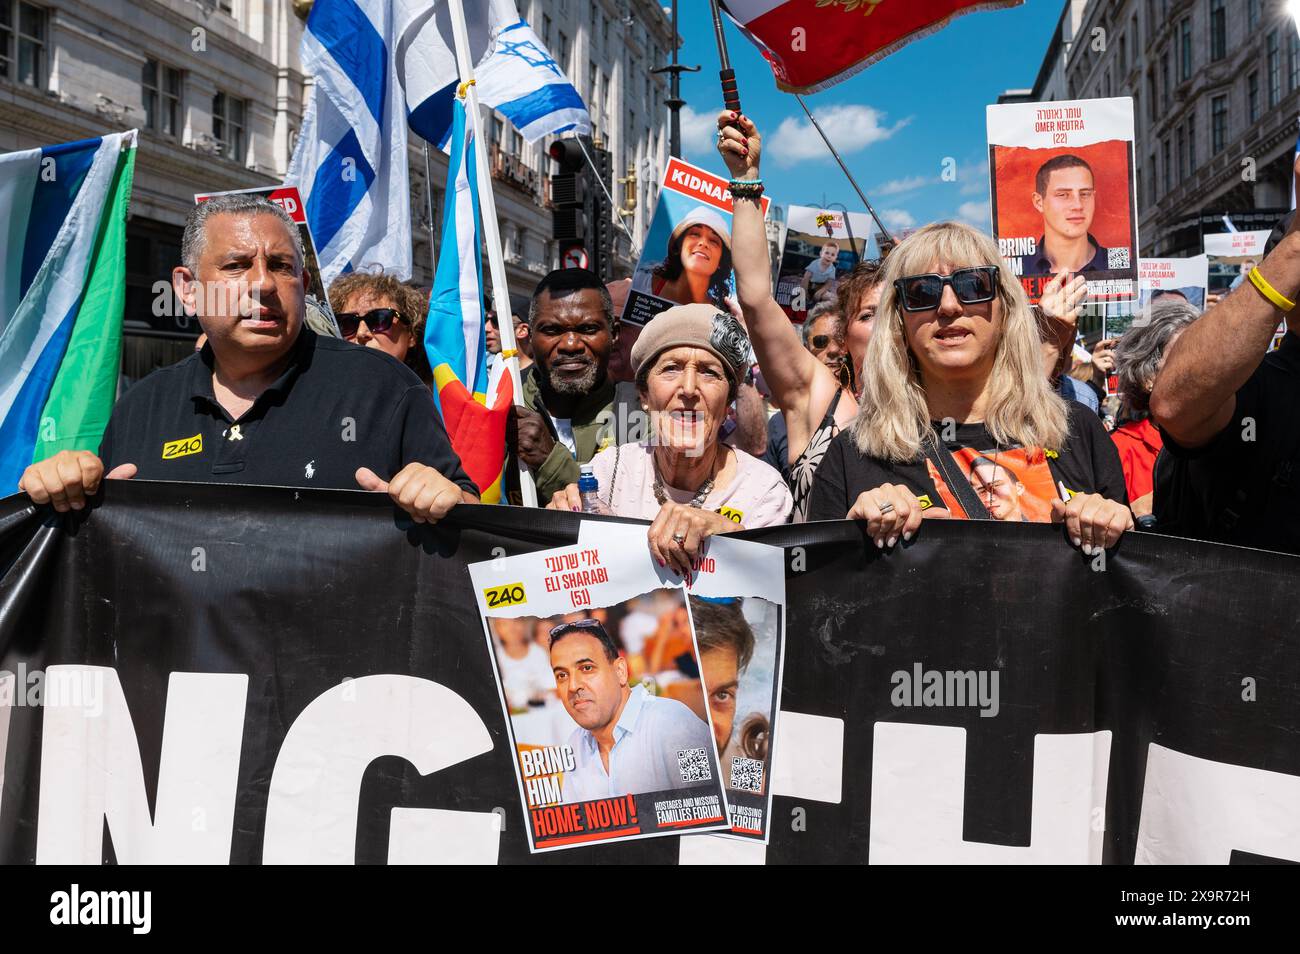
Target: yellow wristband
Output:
{"points": [[1269, 292]]}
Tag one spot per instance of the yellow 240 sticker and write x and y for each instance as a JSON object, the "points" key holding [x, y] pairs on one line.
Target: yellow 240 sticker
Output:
{"points": [[507, 595], [183, 447]]}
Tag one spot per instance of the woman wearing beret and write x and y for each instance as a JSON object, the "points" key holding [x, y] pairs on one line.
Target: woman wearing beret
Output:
{"points": [[687, 364]]}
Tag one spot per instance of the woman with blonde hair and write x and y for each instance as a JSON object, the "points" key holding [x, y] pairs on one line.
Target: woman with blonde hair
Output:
{"points": [[953, 373]]}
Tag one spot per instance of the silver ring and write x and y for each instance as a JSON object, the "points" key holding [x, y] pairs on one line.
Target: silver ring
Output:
{"points": [[886, 508], [679, 538], [722, 135]]}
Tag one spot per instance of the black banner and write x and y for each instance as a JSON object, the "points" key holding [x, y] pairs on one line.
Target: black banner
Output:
{"points": [[984, 693]]}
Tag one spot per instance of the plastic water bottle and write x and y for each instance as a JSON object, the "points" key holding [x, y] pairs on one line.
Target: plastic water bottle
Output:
{"points": [[587, 488]]}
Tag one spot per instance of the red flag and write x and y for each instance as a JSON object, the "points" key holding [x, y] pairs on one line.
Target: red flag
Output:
{"points": [[477, 432], [813, 44]]}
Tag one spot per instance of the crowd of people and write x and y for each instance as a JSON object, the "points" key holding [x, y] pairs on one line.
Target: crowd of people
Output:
{"points": [[923, 386]]}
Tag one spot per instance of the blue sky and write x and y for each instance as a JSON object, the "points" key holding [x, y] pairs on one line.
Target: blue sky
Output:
{"points": [[894, 123]]}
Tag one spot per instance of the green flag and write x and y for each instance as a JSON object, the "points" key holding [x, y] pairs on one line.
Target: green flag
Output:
{"points": [[85, 387]]}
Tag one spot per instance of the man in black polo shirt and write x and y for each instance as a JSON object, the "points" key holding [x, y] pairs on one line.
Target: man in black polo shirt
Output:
{"points": [[1230, 415], [266, 400]]}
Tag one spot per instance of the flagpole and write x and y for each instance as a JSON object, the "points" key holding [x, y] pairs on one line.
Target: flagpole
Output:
{"points": [[428, 198], [491, 231]]}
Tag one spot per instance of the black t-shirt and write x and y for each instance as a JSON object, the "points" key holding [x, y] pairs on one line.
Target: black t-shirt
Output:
{"points": [[1013, 483], [337, 407], [1242, 487]]}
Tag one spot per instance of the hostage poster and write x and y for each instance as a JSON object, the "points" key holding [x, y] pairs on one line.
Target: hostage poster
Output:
{"points": [[1063, 193], [287, 198], [1175, 278], [609, 744], [737, 606], [821, 247], [686, 257], [1231, 256]]}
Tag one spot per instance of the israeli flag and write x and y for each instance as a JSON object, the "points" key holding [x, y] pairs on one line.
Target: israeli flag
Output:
{"points": [[350, 163], [523, 82], [426, 58]]}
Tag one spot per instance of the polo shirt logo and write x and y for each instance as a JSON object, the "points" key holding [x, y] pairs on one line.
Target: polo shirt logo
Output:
{"points": [[183, 447]]}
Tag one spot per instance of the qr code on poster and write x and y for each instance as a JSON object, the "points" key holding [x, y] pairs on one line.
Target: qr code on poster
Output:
{"points": [[1117, 257], [694, 765], [746, 775]]}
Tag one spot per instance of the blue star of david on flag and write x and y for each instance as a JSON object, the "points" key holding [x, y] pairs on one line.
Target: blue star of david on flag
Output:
{"points": [[530, 53], [522, 81]]}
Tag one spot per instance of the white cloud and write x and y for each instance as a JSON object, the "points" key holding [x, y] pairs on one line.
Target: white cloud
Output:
{"points": [[976, 213], [901, 186], [974, 179], [850, 127], [897, 218], [699, 131]]}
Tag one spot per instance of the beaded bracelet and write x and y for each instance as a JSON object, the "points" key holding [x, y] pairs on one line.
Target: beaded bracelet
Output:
{"points": [[746, 188]]}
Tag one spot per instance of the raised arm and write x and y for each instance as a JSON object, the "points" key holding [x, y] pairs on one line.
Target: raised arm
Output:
{"points": [[801, 385], [1194, 397]]}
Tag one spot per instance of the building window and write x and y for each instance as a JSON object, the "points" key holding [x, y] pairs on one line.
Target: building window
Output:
{"points": [[1218, 30], [162, 98], [1218, 124], [1182, 152], [564, 54], [22, 51], [1164, 78], [1292, 61], [1169, 169], [1155, 97], [1274, 69], [1191, 143], [1151, 180], [546, 30], [1185, 50], [592, 83], [1252, 95], [1252, 14], [1123, 55], [228, 125]]}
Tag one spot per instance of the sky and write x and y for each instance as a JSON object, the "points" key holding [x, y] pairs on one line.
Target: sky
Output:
{"points": [[894, 123]]}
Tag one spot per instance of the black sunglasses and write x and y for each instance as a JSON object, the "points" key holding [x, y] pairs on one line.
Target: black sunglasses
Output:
{"points": [[970, 285], [378, 320], [821, 342]]}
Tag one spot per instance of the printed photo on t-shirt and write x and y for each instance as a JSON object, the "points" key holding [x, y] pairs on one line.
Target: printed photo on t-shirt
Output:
{"points": [[1013, 485]]}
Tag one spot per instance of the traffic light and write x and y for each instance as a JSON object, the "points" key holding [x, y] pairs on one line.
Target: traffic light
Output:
{"points": [[570, 203], [602, 214]]}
